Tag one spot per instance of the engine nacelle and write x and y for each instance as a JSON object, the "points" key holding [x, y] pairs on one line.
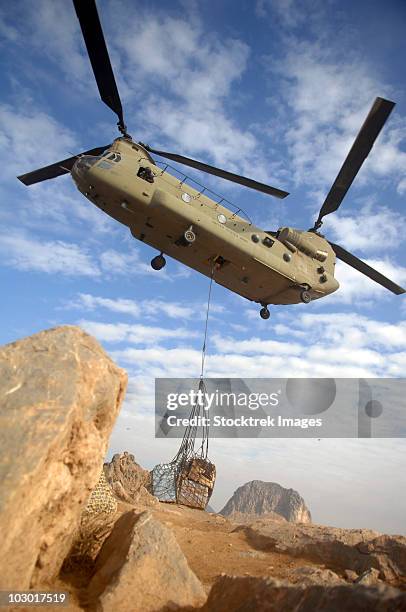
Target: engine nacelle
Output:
{"points": [[306, 242]]}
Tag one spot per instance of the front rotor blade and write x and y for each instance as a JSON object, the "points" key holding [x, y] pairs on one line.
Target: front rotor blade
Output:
{"points": [[229, 176], [86, 11], [362, 146], [361, 266], [57, 169]]}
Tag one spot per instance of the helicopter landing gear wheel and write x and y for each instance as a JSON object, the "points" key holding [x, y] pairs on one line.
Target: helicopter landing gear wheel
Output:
{"points": [[264, 312], [158, 262], [305, 297], [189, 235]]}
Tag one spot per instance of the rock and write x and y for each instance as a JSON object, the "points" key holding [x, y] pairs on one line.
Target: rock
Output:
{"points": [[370, 576], [61, 394], [258, 498], [244, 594], [390, 552], [253, 554], [350, 575], [243, 518], [308, 574], [128, 480], [141, 568], [340, 549]]}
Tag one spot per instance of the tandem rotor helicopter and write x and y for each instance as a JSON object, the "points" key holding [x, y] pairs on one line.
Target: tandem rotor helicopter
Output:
{"points": [[122, 179]]}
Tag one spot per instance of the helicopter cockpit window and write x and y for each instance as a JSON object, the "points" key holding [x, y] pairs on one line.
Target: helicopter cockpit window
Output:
{"points": [[116, 157]]}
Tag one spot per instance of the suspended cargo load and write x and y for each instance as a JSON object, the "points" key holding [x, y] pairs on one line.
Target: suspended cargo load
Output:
{"points": [[196, 482]]}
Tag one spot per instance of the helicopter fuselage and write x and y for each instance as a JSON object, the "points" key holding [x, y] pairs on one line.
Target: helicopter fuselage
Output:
{"points": [[160, 210]]}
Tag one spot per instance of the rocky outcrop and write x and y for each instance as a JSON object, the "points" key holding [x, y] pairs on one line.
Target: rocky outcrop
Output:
{"points": [[128, 480], [60, 395], [242, 518], [244, 594], [308, 575], [258, 497], [358, 550], [141, 568]]}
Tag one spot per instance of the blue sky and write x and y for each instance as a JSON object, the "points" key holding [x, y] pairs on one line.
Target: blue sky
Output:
{"points": [[276, 90]]}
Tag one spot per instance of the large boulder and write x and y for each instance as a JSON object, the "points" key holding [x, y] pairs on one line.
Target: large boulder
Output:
{"points": [[258, 497], [340, 549], [141, 568], [127, 479], [244, 594], [61, 394]]}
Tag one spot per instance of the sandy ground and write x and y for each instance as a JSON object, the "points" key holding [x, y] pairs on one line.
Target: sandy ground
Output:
{"points": [[212, 547]]}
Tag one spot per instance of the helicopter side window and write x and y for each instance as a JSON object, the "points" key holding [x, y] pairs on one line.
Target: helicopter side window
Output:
{"points": [[146, 174], [268, 242]]}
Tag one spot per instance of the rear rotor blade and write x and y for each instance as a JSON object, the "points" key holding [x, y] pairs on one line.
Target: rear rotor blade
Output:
{"points": [[86, 11], [361, 266], [229, 176], [362, 146], [57, 169]]}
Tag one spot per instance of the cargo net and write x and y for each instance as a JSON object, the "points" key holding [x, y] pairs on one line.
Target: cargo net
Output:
{"points": [[189, 478]]}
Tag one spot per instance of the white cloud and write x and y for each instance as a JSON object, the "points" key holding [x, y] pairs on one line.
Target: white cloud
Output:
{"points": [[53, 257], [115, 263], [25, 251], [30, 139], [350, 330], [402, 187], [190, 81], [86, 301], [133, 334], [373, 228], [50, 29], [7, 31], [312, 345], [323, 127], [358, 288], [170, 309], [179, 51], [289, 12], [255, 345], [139, 308]]}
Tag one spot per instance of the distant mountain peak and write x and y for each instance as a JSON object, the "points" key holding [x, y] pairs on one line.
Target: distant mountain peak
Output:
{"points": [[258, 497]]}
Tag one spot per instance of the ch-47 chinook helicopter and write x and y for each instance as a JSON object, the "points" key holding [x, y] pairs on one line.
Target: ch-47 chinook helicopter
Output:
{"points": [[122, 179]]}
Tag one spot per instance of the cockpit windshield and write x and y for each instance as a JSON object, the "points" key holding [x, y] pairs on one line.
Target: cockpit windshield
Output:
{"points": [[112, 156], [85, 162]]}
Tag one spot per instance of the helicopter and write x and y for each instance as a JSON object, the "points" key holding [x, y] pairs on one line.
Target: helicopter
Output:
{"points": [[288, 266]]}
